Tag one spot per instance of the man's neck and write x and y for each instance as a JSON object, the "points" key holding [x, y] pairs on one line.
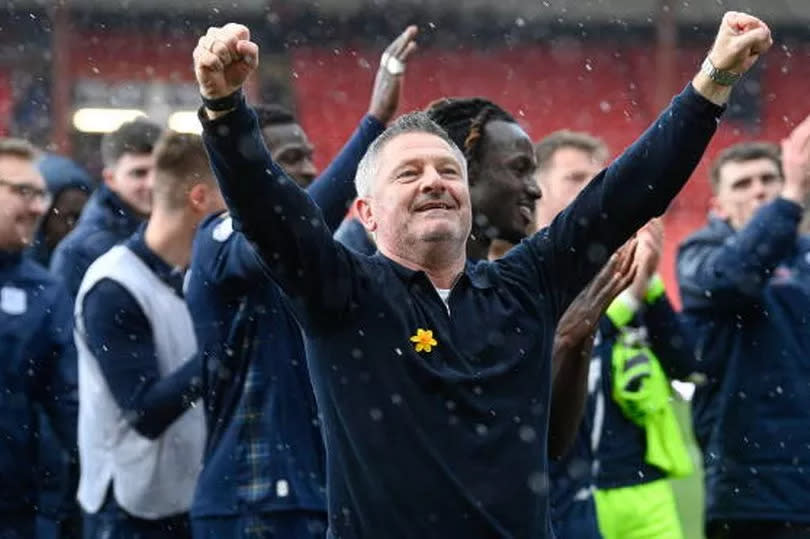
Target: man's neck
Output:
{"points": [[170, 235], [441, 267]]}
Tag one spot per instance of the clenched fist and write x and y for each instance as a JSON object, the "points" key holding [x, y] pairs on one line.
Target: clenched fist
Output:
{"points": [[739, 42], [223, 59]]}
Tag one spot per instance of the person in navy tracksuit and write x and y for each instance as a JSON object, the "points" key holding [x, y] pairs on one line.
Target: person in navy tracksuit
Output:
{"points": [[36, 344], [58, 514], [117, 207], [264, 471], [745, 283]]}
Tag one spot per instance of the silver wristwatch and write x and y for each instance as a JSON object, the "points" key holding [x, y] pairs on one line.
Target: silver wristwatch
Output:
{"points": [[724, 78]]}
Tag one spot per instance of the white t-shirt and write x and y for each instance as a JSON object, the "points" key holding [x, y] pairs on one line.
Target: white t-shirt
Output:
{"points": [[444, 293]]}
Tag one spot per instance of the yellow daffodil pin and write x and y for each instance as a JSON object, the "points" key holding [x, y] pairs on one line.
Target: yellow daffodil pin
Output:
{"points": [[424, 340]]}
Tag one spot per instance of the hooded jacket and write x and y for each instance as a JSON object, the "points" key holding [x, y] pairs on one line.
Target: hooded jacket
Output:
{"points": [[39, 358], [105, 221], [60, 173]]}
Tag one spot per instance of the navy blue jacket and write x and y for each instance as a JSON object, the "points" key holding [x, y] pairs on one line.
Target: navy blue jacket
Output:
{"points": [[57, 488], [352, 234], [622, 443], [451, 441], [39, 368], [105, 222], [748, 296], [265, 449]]}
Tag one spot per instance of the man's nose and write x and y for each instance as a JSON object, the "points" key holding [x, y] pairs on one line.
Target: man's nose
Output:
{"points": [[760, 189], [308, 168], [431, 180], [532, 189]]}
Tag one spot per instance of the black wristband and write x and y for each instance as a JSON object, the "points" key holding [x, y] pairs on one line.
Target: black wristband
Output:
{"points": [[220, 104]]}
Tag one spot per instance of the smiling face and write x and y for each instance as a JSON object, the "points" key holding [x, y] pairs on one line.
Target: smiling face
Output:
{"points": [[63, 215], [290, 147], [131, 178], [419, 198], [23, 201], [503, 189]]}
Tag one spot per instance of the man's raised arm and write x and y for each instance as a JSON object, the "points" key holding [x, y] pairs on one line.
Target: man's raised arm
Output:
{"points": [[273, 212], [640, 183]]}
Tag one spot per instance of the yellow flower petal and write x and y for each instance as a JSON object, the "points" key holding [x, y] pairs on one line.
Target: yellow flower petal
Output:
{"points": [[423, 340]]}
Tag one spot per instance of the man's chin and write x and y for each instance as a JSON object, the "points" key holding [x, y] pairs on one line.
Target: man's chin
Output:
{"points": [[439, 234]]}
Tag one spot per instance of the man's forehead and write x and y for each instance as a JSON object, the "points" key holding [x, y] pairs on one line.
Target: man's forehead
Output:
{"points": [[136, 160], [17, 169], [571, 156], [734, 170], [285, 134], [503, 135]]}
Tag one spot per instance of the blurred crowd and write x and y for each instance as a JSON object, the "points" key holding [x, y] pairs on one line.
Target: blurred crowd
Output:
{"points": [[483, 348]]}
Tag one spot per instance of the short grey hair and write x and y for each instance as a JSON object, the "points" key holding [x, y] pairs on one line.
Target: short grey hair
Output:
{"points": [[414, 122]]}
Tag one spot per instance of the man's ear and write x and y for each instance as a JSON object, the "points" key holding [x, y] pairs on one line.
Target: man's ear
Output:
{"points": [[362, 208], [198, 196]]}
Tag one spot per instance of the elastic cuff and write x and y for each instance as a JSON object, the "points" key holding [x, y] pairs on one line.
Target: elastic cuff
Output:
{"points": [[370, 121], [623, 309], [655, 289], [695, 100], [229, 102]]}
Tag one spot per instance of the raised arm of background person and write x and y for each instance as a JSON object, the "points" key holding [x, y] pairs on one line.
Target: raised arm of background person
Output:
{"points": [[334, 189], [119, 336], [646, 298], [671, 339], [717, 273], [573, 344], [55, 375], [632, 189]]}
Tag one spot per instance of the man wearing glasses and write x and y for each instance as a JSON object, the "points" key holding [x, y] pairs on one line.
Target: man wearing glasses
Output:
{"points": [[36, 341]]}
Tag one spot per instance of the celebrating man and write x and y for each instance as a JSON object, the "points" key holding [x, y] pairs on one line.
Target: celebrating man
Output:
{"points": [[433, 374]]}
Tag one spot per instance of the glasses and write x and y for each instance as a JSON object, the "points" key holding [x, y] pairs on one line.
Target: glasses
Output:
{"points": [[28, 192]]}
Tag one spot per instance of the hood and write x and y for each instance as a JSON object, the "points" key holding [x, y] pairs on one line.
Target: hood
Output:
{"points": [[60, 173]]}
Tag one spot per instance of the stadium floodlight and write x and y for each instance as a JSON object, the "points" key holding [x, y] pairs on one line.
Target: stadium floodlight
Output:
{"points": [[185, 121], [102, 120]]}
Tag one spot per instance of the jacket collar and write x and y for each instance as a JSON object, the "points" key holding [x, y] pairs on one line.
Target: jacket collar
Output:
{"points": [[474, 272]]}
